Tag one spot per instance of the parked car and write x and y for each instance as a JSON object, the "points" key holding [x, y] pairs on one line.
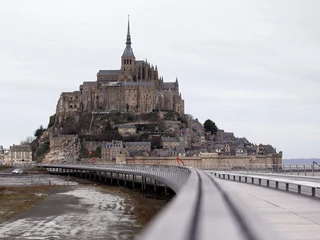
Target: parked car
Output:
{"points": [[17, 171]]}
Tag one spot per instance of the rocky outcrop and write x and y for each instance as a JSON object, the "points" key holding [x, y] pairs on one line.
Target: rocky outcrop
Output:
{"points": [[63, 147]]}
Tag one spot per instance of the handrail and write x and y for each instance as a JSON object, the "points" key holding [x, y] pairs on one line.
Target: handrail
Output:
{"points": [[256, 179]]}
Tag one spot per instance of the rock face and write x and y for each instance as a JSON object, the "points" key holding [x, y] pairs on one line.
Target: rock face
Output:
{"points": [[63, 147]]}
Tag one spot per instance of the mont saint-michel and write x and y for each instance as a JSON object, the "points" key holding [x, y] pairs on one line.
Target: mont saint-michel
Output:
{"points": [[131, 115], [135, 87]]}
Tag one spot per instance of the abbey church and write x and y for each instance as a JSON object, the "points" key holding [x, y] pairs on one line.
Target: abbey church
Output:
{"points": [[136, 87]]}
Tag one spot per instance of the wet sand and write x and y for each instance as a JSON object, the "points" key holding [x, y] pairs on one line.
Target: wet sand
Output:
{"points": [[82, 211]]}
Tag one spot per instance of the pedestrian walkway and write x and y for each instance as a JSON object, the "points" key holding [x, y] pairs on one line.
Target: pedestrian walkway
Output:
{"points": [[296, 217]]}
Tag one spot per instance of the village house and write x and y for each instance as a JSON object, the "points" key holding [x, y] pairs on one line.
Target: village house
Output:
{"points": [[169, 142], [19, 154], [110, 150], [133, 148]]}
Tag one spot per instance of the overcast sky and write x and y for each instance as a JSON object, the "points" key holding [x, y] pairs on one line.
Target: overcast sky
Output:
{"points": [[250, 66]]}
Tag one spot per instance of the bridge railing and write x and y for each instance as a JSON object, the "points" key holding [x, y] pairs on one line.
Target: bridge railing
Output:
{"points": [[303, 170]]}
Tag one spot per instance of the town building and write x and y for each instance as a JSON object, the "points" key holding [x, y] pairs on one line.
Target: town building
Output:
{"points": [[110, 150], [127, 129], [18, 154]]}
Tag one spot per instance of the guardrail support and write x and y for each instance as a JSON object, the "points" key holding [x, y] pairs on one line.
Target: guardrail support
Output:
{"points": [[299, 188], [259, 181], [277, 184], [287, 186], [246, 179], [267, 183], [313, 192]]}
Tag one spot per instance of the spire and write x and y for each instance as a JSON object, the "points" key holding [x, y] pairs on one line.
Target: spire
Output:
{"points": [[128, 53], [128, 33]]}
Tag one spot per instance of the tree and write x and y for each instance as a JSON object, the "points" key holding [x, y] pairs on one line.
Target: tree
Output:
{"points": [[210, 126], [39, 132], [27, 141]]}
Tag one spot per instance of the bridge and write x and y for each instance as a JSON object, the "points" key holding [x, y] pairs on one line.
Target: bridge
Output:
{"points": [[219, 203]]}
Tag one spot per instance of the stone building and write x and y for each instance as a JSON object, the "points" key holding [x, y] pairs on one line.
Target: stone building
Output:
{"points": [[110, 150], [136, 147], [169, 142], [135, 87], [19, 154]]}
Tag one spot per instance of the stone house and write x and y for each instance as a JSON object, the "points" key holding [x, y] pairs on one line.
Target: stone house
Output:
{"points": [[135, 147], [127, 129], [169, 142], [240, 151], [20, 154], [110, 150]]}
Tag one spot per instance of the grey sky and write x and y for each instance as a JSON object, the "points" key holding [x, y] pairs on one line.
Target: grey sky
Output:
{"points": [[250, 66]]}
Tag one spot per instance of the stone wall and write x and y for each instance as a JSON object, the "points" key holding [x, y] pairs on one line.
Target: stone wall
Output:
{"points": [[204, 162], [63, 147]]}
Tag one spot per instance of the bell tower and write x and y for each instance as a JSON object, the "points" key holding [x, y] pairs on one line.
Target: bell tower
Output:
{"points": [[128, 58]]}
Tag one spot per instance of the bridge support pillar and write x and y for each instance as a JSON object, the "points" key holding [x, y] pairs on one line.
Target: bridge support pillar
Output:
{"points": [[133, 177], [105, 176], [99, 176], [118, 179], [246, 179], [299, 188], [267, 183], [142, 179], [155, 186], [252, 180], [111, 177], [313, 192], [259, 181], [125, 179], [165, 189], [287, 186], [277, 184], [95, 173]]}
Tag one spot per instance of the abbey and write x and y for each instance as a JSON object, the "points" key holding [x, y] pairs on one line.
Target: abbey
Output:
{"points": [[136, 87]]}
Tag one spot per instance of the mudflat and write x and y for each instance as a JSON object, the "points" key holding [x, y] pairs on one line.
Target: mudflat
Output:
{"points": [[82, 211]]}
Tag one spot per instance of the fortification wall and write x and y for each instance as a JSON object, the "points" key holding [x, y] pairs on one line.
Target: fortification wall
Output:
{"points": [[204, 162]]}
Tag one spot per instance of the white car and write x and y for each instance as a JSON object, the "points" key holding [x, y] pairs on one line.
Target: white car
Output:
{"points": [[17, 171]]}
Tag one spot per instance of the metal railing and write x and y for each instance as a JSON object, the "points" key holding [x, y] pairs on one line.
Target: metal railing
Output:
{"points": [[303, 170]]}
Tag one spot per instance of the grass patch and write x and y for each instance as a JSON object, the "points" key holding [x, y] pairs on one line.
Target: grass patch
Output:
{"points": [[17, 199], [2, 167]]}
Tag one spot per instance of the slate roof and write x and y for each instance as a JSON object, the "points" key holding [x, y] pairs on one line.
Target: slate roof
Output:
{"points": [[138, 143], [269, 149], [167, 85], [108, 72], [169, 139], [20, 148]]}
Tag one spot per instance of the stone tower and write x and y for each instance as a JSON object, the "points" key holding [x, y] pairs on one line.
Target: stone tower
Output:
{"points": [[128, 58]]}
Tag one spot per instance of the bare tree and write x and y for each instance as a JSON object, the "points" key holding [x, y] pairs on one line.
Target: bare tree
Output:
{"points": [[27, 141]]}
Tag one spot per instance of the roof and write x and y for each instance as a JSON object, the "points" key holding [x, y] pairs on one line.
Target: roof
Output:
{"points": [[139, 62], [137, 83], [169, 139], [269, 149], [108, 72], [167, 85], [21, 148], [137, 143]]}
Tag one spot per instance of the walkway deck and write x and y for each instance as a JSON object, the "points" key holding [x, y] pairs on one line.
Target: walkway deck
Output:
{"points": [[294, 216]]}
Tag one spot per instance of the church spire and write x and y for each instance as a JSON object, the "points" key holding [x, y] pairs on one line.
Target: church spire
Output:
{"points": [[128, 33], [128, 53]]}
